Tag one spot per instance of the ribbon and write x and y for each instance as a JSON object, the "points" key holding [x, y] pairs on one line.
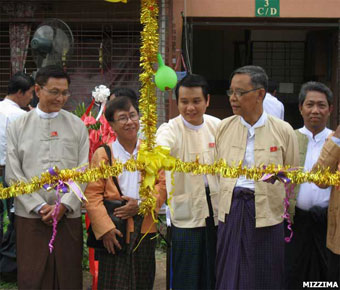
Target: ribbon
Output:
{"points": [[155, 160], [87, 110], [286, 215], [102, 106], [289, 187], [65, 186], [55, 215], [61, 187]]}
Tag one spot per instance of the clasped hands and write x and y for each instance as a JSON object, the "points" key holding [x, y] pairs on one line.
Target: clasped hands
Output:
{"points": [[46, 213]]}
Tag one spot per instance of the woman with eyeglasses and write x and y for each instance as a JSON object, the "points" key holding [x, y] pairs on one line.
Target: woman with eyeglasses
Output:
{"points": [[123, 269]]}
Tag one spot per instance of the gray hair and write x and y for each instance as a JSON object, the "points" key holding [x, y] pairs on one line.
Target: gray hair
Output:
{"points": [[317, 87], [258, 76]]}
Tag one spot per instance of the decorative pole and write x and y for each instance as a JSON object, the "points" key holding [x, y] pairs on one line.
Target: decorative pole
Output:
{"points": [[148, 57]]}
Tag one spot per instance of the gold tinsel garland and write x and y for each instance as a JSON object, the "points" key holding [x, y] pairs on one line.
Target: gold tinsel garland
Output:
{"points": [[148, 100], [152, 159], [166, 162], [148, 57]]}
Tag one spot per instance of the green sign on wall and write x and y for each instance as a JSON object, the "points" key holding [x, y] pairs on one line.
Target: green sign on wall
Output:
{"points": [[267, 8]]}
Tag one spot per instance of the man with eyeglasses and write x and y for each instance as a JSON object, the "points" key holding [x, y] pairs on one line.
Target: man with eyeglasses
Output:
{"points": [[43, 138], [250, 242]]}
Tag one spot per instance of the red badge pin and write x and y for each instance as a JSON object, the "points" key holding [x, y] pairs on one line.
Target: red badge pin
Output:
{"points": [[211, 145], [273, 149], [54, 134]]}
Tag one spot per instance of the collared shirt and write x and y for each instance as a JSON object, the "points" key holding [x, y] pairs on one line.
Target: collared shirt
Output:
{"points": [[191, 126], [195, 128], [9, 111], [272, 106], [44, 115], [248, 160], [309, 194], [128, 181]]}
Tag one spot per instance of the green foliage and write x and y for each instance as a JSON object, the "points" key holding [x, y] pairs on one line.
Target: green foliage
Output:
{"points": [[80, 110], [8, 285], [95, 126]]}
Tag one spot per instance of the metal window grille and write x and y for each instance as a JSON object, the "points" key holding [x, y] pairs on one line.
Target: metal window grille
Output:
{"points": [[283, 61]]}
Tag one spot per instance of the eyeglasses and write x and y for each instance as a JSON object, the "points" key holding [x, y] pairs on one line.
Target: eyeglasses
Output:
{"points": [[240, 93], [124, 119], [56, 93]]}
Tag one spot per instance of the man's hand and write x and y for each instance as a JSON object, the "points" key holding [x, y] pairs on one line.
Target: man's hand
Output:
{"points": [[47, 211], [128, 210], [337, 132], [110, 240], [46, 214]]}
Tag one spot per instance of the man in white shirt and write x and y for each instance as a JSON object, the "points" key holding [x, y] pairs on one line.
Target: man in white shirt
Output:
{"points": [[271, 105], [306, 254], [191, 135], [42, 139], [20, 93]]}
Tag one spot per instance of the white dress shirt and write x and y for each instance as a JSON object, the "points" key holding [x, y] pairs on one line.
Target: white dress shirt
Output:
{"points": [[272, 106], [128, 181], [248, 160], [44, 115], [9, 111], [309, 194]]}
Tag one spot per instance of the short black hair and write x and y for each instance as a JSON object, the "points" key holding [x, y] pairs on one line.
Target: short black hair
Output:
{"points": [[257, 74], [51, 71], [318, 87], [191, 81], [272, 86], [124, 92], [122, 103], [20, 82]]}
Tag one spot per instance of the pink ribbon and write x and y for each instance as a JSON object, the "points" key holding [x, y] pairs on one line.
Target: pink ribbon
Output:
{"points": [[61, 187], [54, 217], [281, 176], [286, 215]]}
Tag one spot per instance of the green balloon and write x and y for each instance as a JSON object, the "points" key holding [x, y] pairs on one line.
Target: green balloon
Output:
{"points": [[165, 78]]}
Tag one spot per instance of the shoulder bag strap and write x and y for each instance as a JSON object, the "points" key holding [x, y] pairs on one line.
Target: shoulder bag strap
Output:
{"points": [[114, 178], [207, 192]]}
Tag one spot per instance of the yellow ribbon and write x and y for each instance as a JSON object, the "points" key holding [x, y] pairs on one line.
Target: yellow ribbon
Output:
{"points": [[155, 160]]}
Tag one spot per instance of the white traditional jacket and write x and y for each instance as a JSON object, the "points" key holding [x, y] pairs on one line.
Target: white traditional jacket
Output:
{"points": [[189, 202], [35, 144]]}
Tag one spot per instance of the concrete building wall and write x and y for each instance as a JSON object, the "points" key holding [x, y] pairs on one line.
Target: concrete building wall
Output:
{"points": [[246, 8]]}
